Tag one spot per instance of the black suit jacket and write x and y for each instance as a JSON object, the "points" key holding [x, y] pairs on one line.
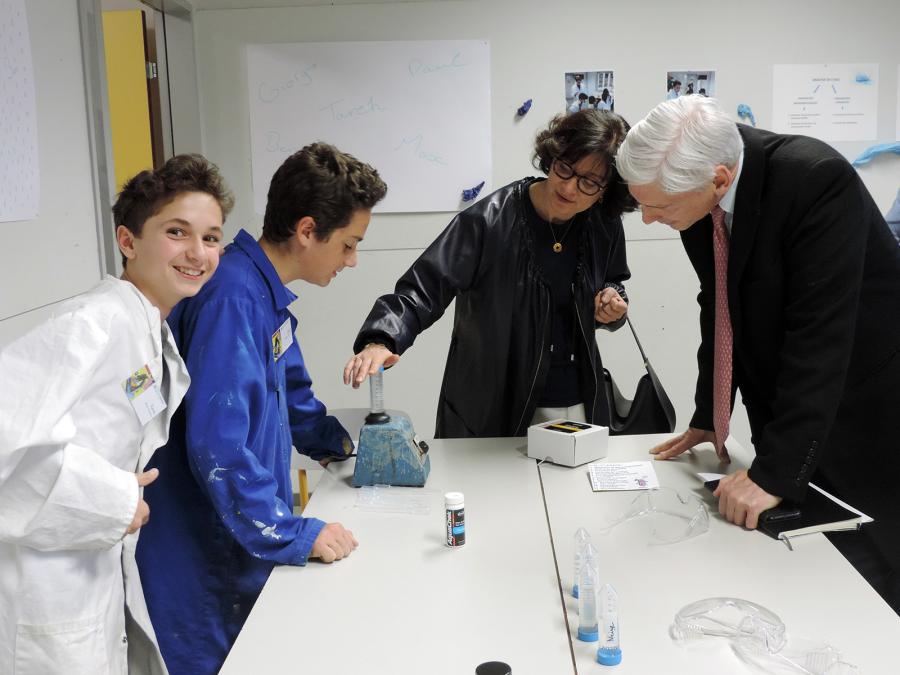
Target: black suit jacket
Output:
{"points": [[814, 298]]}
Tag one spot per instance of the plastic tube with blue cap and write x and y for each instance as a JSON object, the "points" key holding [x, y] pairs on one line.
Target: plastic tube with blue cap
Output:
{"points": [[587, 596], [582, 539], [609, 653]]}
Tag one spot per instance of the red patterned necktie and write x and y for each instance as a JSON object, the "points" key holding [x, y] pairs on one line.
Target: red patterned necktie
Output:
{"points": [[724, 335]]}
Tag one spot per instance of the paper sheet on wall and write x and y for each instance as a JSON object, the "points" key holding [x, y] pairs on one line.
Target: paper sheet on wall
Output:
{"points": [[898, 103], [19, 175], [831, 102], [419, 112]]}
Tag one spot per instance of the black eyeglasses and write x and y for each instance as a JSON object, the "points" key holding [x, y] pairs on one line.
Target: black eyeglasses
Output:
{"points": [[587, 186]]}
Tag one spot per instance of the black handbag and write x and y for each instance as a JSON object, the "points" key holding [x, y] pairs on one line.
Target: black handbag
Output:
{"points": [[649, 412]]}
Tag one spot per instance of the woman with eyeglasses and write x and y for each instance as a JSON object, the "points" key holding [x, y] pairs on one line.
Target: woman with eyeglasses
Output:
{"points": [[535, 268]]}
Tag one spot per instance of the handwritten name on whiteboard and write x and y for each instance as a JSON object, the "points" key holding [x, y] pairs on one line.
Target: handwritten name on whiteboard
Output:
{"points": [[341, 110], [417, 67], [415, 145]]}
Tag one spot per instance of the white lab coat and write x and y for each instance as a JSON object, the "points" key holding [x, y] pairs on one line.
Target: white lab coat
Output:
{"points": [[573, 89], [70, 444]]}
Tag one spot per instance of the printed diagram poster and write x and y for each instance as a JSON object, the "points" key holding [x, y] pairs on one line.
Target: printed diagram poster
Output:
{"points": [[19, 177], [832, 102]]}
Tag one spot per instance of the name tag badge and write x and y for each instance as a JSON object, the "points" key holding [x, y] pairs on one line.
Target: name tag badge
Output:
{"points": [[282, 339], [144, 395]]}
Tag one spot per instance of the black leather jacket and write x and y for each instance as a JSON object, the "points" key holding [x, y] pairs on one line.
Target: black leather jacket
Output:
{"points": [[499, 351]]}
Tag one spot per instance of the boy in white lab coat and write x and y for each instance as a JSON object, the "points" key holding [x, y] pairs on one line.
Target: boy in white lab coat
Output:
{"points": [[85, 399]]}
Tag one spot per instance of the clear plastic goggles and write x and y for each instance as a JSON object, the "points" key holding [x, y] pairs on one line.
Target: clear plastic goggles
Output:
{"points": [[758, 637], [729, 618], [798, 655], [671, 516]]}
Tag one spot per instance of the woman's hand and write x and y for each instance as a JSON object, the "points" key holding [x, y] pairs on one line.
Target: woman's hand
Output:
{"points": [[609, 306], [367, 362]]}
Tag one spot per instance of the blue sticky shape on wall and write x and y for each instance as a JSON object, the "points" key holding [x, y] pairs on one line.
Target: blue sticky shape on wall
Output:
{"points": [[470, 193], [744, 112], [524, 108], [871, 153]]}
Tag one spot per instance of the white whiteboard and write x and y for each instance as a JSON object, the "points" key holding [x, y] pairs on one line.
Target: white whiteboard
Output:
{"points": [[419, 112]]}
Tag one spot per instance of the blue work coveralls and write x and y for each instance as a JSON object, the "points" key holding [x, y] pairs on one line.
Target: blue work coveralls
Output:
{"points": [[222, 505]]}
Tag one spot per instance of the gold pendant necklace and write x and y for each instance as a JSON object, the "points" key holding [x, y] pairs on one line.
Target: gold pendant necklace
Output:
{"points": [[557, 243]]}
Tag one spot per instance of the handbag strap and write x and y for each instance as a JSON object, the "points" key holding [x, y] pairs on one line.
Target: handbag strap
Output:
{"points": [[662, 396], [639, 346]]}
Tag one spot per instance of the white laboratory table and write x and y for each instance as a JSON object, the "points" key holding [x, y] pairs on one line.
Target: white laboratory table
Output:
{"points": [[813, 588], [405, 603]]}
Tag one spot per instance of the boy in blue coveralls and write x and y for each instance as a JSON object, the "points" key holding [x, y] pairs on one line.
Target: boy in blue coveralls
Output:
{"points": [[222, 516]]}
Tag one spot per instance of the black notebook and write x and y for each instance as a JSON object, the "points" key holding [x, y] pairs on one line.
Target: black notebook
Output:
{"points": [[819, 512]]}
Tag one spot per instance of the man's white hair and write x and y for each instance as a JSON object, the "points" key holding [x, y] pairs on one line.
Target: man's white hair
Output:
{"points": [[678, 145]]}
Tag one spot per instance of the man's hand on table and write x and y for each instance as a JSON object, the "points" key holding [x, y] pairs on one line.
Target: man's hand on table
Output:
{"points": [[741, 500], [686, 441]]}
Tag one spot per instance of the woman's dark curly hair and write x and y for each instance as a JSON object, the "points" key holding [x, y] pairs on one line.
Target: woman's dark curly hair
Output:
{"points": [[573, 137], [324, 183], [147, 193]]}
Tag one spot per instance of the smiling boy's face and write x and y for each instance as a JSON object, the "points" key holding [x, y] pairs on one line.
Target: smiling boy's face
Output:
{"points": [[178, 249]]}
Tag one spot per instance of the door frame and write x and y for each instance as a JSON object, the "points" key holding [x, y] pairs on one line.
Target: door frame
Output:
{"points": [[90, 19]]}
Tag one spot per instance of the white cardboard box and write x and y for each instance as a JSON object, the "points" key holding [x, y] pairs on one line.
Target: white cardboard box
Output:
{"points": [[565, 442]]}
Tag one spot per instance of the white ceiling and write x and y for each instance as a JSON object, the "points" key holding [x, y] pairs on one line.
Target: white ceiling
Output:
{"points": [[260, 4], [114, 5]]}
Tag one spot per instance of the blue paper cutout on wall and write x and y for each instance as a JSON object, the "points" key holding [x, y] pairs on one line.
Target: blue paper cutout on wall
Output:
{"points": [[524, 108], [745, 113], [871, 153], [470, 193]]}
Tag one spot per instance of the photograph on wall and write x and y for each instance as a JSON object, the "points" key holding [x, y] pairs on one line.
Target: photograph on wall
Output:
{"points": [[590, 89], [687, 82]]}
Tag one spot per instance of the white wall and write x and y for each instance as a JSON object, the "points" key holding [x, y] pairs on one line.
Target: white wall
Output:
{"points": [[55, 256], [182, 73], [532, 45]]}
